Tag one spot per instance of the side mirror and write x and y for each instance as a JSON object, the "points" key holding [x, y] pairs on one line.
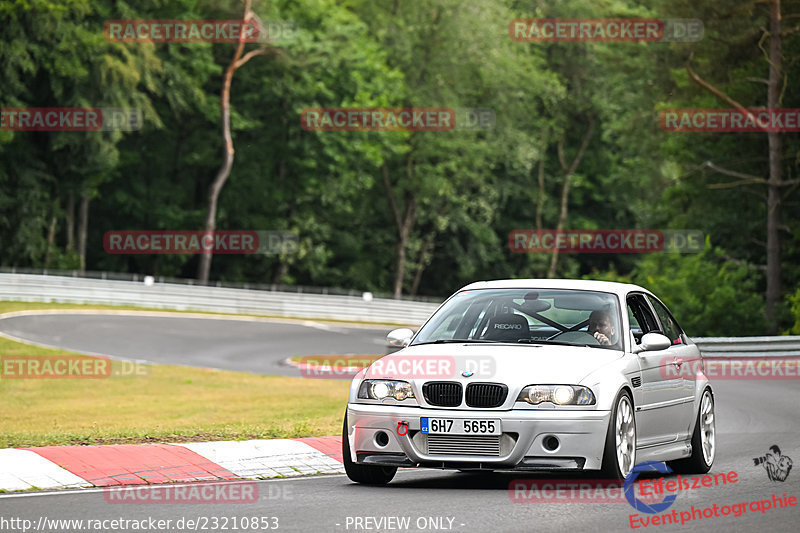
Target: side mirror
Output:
{"points": [[653, 342], [400, 337]]}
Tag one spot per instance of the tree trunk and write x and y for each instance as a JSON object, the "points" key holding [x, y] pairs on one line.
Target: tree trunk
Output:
{"points": [[227, 143], [775, 174], [83, 229], [775, 181], [222, 174], [568, 172], [562, 213], [540, 196], [424, 257], [282, 267], [70, 221], [404, 223], [400, 266], [402, 243], [51, 238]]}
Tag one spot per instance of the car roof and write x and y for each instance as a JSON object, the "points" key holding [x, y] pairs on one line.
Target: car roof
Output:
{"points": [[576, 284]]}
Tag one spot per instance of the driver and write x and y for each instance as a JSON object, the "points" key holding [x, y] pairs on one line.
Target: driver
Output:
{"points": [[602, 328]]}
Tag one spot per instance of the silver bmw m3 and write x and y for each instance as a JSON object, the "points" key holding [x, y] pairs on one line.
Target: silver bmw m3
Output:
{"points": [[534, 375]]}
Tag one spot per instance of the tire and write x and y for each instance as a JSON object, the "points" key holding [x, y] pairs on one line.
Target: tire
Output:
{"points": [[623, 409], [366, 474], [704, 435]]}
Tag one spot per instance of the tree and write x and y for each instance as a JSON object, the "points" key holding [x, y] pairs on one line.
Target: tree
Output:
{"points": [[48, 168], [239, 60], [777, 187], [446, 183]]}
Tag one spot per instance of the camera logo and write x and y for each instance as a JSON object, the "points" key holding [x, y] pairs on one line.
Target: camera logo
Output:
{"points": [[647, 506], [777, 466]]}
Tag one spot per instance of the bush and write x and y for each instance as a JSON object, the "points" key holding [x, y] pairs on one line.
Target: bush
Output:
{"points": [[709, 295], [794, 302]]}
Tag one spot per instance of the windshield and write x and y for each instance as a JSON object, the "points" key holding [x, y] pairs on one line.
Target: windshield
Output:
{"points": [[536, 316]]}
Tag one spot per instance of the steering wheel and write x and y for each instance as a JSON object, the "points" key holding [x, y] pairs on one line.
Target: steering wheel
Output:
{"points": [[578, 337]]}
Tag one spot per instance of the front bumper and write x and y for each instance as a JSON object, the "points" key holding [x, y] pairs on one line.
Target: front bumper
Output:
{"points": [[525, 443]]}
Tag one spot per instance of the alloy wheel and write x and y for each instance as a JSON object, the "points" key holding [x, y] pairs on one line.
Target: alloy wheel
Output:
{"points": [[625, 436]]}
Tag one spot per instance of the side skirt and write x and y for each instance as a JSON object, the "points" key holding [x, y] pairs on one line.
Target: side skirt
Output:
{"points": [[664, 452]]}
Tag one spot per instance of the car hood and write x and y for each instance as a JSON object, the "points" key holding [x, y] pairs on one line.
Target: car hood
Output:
{"points": [[512, 364]]}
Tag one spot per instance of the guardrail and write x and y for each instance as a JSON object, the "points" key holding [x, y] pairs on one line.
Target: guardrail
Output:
{"points": [[274, 287], [786, 346], [35, 288]]}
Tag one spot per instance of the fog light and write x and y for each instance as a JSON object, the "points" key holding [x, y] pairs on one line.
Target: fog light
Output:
{"points": [[381, 439], [551, 443]]}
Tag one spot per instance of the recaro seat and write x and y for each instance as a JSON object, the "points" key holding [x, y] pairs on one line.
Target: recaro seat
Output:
{"points": [[507, 327]]}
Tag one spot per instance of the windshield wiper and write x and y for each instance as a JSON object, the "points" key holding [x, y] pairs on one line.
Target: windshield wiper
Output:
{"points": [[559, 343], [520, 341]]}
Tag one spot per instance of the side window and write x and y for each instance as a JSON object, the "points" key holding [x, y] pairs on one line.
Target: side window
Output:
{"points": [[632, 319], [643, 319], [671, 328]]}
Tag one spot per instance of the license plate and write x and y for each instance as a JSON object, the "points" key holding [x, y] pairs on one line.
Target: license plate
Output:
{"points": [[459, 426]]}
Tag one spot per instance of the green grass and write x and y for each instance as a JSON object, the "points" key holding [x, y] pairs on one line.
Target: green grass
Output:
{"points": [[168, 404]]}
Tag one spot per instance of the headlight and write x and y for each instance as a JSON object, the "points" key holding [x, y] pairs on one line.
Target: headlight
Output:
{"points": [[557, 394], [378, 389]]}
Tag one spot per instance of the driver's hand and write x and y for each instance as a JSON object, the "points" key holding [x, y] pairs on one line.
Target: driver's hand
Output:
{"points": [[602, 339]]}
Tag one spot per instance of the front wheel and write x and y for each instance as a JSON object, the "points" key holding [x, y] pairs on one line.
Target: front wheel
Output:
{"points": [[704, 440], [366, 474], [619, 456]]}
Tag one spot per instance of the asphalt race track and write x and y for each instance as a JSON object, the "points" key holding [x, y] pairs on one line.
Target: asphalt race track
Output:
{"points": [[751, 416], [249, 346]]}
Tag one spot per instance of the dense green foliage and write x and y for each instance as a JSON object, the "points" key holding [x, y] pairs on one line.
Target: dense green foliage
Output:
{"points": [[459, 193]]}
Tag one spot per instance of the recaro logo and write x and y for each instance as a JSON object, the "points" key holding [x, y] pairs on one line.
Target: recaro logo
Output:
{"points": [[508, 326]]}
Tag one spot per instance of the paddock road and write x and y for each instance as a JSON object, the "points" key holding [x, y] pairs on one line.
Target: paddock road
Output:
{"points": [[751, 416]]}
